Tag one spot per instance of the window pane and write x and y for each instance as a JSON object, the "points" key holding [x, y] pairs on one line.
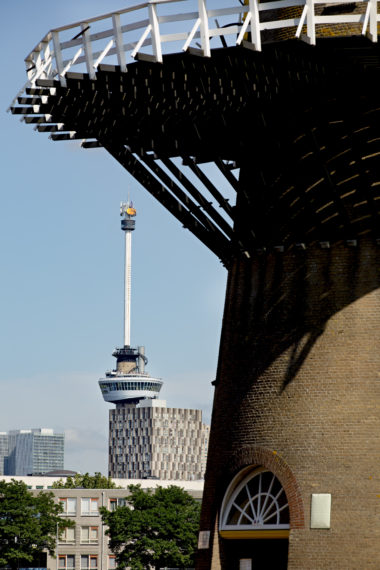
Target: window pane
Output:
{"points": [[62, 562], [70, 560], [71, 505], [85, 533], [111, 562], [84, 561], [85, 505], [93, 561], [94, 505], [70, 534]]}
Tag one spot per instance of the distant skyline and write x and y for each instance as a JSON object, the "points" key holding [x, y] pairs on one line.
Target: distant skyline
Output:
{"points": [[62, 271]]}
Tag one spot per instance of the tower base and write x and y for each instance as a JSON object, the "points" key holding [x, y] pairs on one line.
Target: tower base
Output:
{"points": [[298, 394]]}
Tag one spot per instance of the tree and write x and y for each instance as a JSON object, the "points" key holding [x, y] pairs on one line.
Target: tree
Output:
{"points": [[28, 524], [156, 528], [86, 481]]}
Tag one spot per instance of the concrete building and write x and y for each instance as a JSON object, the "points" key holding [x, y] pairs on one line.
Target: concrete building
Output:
{"points": [[151, 440], [146, 438], [34, 451], [85, 546]]}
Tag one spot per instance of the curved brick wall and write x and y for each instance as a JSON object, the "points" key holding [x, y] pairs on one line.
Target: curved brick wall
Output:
{"points": [[299, 376]]}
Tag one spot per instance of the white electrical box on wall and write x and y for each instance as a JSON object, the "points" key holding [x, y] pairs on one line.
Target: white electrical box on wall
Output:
{"points": [[320, 510]]}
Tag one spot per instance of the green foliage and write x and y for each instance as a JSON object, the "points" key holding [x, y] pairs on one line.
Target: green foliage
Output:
{"points": [[28, 524], [156, 528], [86, 481]]}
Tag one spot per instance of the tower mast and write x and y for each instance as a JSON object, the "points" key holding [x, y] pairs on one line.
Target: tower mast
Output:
{"points": [[127, 211], [129, 383]]}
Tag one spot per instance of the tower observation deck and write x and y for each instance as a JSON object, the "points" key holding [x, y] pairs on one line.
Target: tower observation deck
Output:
{"points": [[257, 125], [128, 384]]}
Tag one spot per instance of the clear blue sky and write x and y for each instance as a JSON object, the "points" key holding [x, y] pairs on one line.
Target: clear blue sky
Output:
{"points": [[62, 270]]}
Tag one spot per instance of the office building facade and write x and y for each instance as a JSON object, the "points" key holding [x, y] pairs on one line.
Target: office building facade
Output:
{"points": [[3, 453], [34, 451]]}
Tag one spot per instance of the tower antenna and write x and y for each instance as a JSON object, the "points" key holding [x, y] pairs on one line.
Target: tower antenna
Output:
{"points": [[128, 212]]}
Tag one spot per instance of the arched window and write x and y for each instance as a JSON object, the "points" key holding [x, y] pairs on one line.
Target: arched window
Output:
{"points": [[254, 504]]}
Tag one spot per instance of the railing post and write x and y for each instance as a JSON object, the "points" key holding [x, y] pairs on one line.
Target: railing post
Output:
{"points": [[47, 56], [38, 63], [119, 42], [310, 19], [31, 67], [155, 32], [205, 40], [373, 20], [255, 24], [88, 50], [58, 58], [57, 53]]}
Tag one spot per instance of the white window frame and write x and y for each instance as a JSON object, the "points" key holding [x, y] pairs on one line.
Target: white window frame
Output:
{"points": [[89, 540], [93, 506], [66, 501], [65, 556], [89, 558], [114, 502], [265, 499], [64, 539], [113, 566]]}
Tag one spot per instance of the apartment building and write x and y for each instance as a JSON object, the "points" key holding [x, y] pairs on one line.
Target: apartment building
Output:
{"points": [[85, 546], [151, 440]]}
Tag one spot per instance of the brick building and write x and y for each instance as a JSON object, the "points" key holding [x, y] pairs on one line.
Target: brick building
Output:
{"points": [[306, 412]]}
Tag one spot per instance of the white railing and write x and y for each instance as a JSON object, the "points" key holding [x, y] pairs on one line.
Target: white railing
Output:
{"points": [[117, 38]]}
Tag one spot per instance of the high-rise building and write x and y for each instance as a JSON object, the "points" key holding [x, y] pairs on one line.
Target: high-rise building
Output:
{"points": [[34, 451], [151, 440], [3, 453], [147, 439]]}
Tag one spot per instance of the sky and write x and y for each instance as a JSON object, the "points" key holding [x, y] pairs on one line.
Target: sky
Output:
{"points": [[61, 255]]}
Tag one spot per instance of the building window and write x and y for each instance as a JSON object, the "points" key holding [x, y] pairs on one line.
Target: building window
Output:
{"points": [[89, 562], [256, 502], [114, 503], [69, 506], [89, 534], [67, 536], [89, 506], [66, 561], [111, 562]]}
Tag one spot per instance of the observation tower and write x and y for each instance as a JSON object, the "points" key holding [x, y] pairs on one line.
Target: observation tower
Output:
{"points": [[128, 384], [258, 127]]}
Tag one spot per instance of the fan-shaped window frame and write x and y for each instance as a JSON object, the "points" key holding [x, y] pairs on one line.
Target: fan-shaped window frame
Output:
{"points": [[256, 529]]}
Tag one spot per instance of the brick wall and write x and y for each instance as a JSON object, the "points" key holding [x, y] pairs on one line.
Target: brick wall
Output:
{"points": [[298, 391]]}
